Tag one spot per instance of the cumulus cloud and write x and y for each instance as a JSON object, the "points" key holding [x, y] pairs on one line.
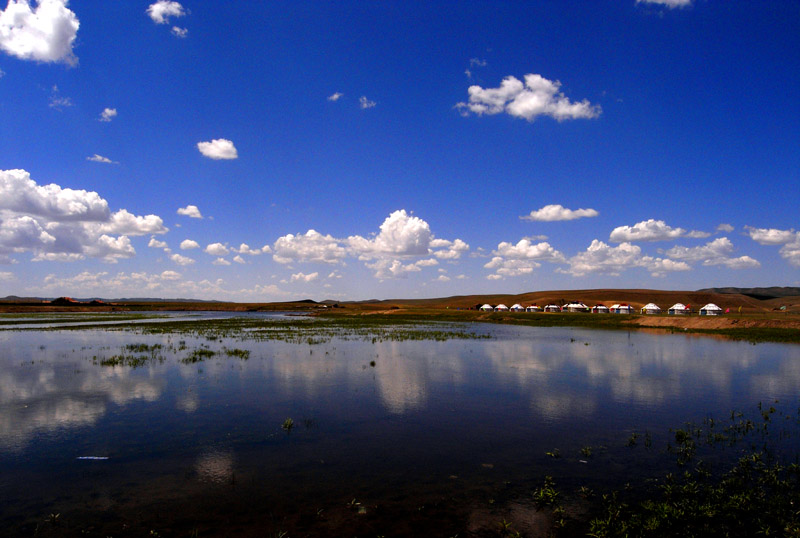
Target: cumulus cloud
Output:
{"points": [[6, 276], [300, 277], [239, 259], [58, 101], [60, 224], [725, 228], [790, 239], [335, 96], [19, 193], [180, 32], [537, 96], [244, 248], [309, 247], [365, 103], [124, 222], [770, 236], [108, 114], [189, 244], [217, 249], [556, 212], [100, 159], [651, 230], [161, 11], [390, 269], [400, 235], [221, 261], [218, 149], [716, 252], [44, 33], [450, 250], [181, 260], [155, 243], [522, 258], [672, 4], [190, 211], [602, 258]]}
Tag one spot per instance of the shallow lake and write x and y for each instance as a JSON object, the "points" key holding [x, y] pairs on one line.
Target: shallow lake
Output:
{"points": [[409, 437]]}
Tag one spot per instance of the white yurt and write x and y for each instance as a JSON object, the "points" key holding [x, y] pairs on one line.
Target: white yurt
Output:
{"points": [[651, 308], [552, 308], [600, 309], [500, 308], [623, 308], [487, 308], [533, 308], [575, 307], [678, 309], [517, 308], [710, 310]]}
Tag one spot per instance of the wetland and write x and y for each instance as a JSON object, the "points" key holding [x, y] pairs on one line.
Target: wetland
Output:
{"points": [[267, 424]]}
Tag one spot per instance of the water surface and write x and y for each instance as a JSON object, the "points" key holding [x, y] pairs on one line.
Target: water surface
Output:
{"points": [[388, 437]]}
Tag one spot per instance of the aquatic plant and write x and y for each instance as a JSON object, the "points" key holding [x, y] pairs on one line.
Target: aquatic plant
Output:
{"points": [[287, 425]]}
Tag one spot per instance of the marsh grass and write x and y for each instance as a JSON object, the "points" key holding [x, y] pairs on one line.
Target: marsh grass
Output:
{"points": [[736, 477]]}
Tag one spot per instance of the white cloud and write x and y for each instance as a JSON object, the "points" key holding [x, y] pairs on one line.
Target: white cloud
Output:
{"points": [[390, 269], [521, 259], [556, 212], [365, 103], [58, 101], [218, 149], [791, 251], [162, 10], [244, 248], [190, 211], [170, 275], [770, 236], [790, 239], [108, 114], [181, 260], [309, 247], [716, 252], [19, 193], [124, 222], [216, 249], [239, 259], [537, 96], [221, 261], [525, 250], [188, 244], [602, 258], [335, 96], [651, 230], [672, 4], [477, 62], [400, 235], [300, 277], [725, 228], [180, 32], [45, 33], [452, 249], [100, 159], [155, 243], [443, 278], [5, 276]]}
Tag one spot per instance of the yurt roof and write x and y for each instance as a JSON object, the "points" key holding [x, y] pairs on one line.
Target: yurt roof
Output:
{"points": [[678, 306], [711, 306], [651, 306]]}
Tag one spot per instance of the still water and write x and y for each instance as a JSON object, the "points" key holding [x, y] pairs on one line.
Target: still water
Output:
{"points": [[388, 437]]}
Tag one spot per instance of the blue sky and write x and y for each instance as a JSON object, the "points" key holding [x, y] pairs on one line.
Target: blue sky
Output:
{"points": [[262, 151]]}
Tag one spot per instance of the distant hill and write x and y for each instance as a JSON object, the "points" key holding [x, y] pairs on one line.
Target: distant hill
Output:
{"points": [[762, 294]]}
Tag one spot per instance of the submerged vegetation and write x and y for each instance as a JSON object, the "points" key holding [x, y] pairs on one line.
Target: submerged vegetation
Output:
{"points": [[737, 476]]}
